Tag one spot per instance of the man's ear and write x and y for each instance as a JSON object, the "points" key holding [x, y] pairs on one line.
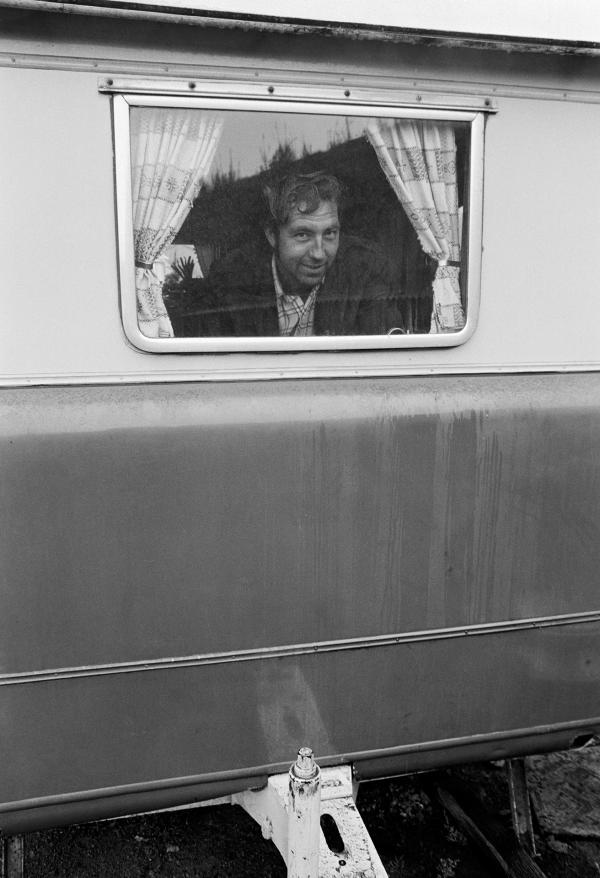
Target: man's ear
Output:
{"points": [[270, 236]]}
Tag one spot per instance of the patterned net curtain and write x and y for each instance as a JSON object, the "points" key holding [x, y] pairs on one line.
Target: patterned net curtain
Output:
{"points": [[171, 155], [419, 161]]}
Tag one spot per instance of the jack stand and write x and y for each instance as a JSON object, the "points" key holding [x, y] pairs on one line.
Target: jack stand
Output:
{"points": [[520, 806], [11, 856], [310, 815]]}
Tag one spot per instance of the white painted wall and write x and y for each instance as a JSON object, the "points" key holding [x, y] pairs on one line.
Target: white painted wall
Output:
{"points": [[540, 308]]}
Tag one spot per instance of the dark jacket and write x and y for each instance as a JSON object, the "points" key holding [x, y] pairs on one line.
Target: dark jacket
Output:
{"points": [[355, 298]]}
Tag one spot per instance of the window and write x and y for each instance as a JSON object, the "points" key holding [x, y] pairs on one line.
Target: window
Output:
{"points": [[270, 224]]}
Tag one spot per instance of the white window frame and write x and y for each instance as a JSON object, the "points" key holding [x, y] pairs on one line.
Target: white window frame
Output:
{"points": [[283, 98]]}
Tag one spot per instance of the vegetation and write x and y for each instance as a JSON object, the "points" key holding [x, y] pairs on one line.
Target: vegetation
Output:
{"points": [[184, 268]]}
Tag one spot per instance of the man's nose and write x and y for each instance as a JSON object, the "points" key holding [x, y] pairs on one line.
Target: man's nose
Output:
{"points": [[316, 249]]}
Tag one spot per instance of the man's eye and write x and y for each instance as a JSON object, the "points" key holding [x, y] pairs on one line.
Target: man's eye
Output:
{"points": [[301, 236], [332, 234]]}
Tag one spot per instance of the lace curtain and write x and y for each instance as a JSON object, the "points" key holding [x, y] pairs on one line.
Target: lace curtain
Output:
{"points": [[419, 161], [171, 155]]}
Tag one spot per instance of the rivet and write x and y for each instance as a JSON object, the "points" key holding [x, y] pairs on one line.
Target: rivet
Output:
{"points": [[347, 93], [271, 89], [192, 85]]}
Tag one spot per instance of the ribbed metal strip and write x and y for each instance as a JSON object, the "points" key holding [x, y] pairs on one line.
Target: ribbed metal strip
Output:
{"points": [[278, 652]]}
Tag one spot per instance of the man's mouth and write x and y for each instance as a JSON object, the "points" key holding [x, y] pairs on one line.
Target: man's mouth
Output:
{"points": [[314, 269]]}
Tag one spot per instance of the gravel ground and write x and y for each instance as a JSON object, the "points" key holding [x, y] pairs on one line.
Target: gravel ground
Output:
{"points": [[413, 835]]}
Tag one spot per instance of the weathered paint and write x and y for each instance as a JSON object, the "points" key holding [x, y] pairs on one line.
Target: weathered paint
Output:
{"points": [[304, 812], [200, 576], [144, 523], [510, 28], [291, 812], [151, 509]]}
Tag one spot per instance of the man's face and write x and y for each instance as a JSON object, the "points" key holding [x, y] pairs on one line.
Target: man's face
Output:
{"points": [[306, 246]]}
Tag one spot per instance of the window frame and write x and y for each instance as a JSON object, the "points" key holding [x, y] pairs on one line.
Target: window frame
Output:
{"points": [[315, 100]]}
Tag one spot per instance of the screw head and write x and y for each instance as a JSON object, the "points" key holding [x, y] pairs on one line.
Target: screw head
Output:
{"points": [[305, 765]]}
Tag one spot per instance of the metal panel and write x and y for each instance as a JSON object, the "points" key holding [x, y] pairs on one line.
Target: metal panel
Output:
{"points": [[170, 520], [74, 742], [544, 124], [142, 524], [197, 578]]}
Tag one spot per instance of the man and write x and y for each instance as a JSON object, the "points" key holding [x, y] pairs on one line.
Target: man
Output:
{"points": [[312, 280]]}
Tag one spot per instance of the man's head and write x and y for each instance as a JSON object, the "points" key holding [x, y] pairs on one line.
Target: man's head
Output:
{"points": [[303, 227]]}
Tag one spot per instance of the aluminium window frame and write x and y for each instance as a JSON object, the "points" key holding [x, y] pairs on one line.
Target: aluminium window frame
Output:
{"points": [[314, 100]]}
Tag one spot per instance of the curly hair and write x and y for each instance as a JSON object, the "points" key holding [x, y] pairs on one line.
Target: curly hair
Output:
{"points": [[301, 192]]}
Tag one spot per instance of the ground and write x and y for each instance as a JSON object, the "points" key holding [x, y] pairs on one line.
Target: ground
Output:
{"points": [[413, 834]]}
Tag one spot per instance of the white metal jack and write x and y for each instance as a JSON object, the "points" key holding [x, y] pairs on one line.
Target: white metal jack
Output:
{"points": [[310, 815]]}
